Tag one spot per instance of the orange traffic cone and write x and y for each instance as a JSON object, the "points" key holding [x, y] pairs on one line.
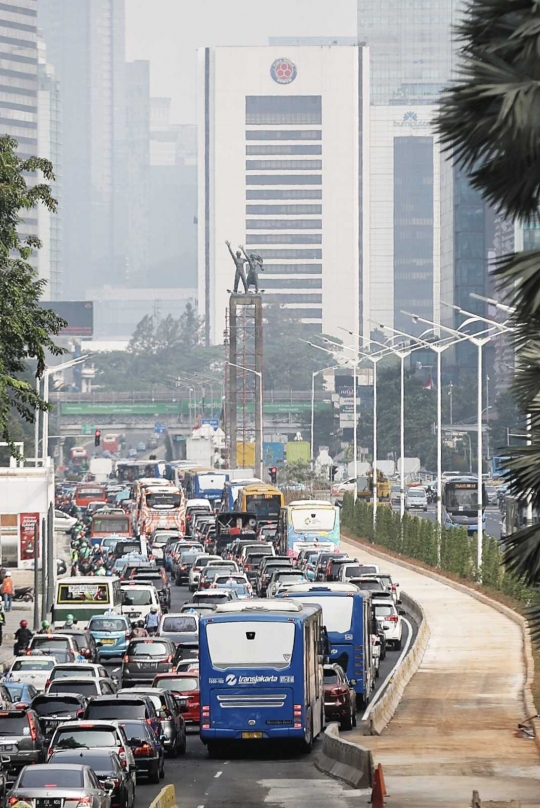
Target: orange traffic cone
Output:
{"points": [[378, 791]]}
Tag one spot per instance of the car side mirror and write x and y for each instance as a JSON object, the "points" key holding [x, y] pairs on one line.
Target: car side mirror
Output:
{"points": [[402, 613], [353, 682]]}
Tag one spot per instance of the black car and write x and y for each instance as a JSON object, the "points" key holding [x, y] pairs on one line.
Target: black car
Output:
{"points": [[123, 706], [186, 650], [267, 568], [171, 720], [322, 561], [144, 658], [106, 765], [23, 741], [53, 708], [147, 749], [85, 641], [183, 568]]}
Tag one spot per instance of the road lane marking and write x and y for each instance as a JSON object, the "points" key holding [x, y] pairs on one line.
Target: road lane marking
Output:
{"points": [[380, 691], [218, 775]]}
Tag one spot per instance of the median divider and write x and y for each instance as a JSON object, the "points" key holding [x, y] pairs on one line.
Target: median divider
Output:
{"points": [[165, 799], [344, 760], [386, 706]]}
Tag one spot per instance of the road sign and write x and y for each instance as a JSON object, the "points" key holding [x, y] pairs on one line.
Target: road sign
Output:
{"points": [[88, 429], [213, 422], [160, 429]]}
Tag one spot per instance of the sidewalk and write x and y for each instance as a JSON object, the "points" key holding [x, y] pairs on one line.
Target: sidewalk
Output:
{"points": [[454, 730]]}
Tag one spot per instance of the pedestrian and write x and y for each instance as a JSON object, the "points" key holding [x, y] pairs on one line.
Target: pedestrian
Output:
{"points": [[7, 591], [2, 622]]}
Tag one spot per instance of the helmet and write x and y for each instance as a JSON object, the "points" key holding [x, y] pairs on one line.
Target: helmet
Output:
{"points": [[153, 609], [24, 624], [8, 574], [70, 618], [45, 624], [140, 623]]}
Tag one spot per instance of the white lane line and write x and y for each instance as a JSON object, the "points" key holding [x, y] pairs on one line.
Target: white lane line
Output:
{"points": [[225, 762], [200, 806], [218, 775], [398, 663]]}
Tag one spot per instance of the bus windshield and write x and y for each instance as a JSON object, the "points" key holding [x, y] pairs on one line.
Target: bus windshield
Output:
{"points": [[264, 507], [307, 519], [161, 500], [461, 496], [250, 644], [110, 524]]}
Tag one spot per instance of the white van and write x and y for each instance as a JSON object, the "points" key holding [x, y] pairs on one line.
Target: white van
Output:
{"points": [[85, 596], [416, 498], [138, 599]]}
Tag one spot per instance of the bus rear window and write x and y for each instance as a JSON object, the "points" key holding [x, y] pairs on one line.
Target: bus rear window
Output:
{"points": [[250, 644]]}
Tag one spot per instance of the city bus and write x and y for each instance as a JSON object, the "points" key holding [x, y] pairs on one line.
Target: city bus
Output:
{"points": [[127, 471], [85, 596], [85, 493], [260, 673], [205, 484], [104, 524], [348, 620], [308, 523], [231, 491], [264, 500], [460, 502], [160, 507]]}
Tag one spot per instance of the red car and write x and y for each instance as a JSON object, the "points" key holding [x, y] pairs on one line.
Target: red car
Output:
{"points": [[339, 697], [186, 689]]}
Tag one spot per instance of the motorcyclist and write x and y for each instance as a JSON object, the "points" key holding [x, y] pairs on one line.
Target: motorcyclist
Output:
{"points": [[139, 630], [84, 551], [70, 621], [152, 620], [45, 627], [23, 635], [99, 568]]}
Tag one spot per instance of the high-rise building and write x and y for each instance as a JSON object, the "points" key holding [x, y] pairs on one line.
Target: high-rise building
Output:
{"points": [[85, 45], [283, 170], [49, 258], [138, 171], [19, 74], [411, 48]]}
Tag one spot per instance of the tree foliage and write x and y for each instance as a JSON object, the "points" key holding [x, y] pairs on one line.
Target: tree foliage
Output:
{"points": [[26, 329]]}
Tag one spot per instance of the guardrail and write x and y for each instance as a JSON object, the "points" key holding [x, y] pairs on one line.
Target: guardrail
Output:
{"points": [[345, 760], [165, 799], [384, 709]]}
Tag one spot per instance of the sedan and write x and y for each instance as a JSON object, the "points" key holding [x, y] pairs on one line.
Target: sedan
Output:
{"points": [[339, 697], [186, 689], [107, 767], [65, 785], [63, 521]]}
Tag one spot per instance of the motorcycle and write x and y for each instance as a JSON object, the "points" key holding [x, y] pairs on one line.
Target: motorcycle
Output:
{"points": [[24, 593]]}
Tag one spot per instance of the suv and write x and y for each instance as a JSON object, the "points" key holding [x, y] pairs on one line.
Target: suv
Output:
{"points": [[53, 709], [202, 561], [122, 706], [282, 579], [23, 741], [389, 619], [144, 658], [182, 568], [268, 566], [85, 641], [213, 571], [91, 735], [172, 727], [138, 599], [333, 567], [369, 583], [158, 578]]}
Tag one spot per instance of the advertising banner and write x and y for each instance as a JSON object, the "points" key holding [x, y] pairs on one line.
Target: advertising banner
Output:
{"points": [[28, 532]]}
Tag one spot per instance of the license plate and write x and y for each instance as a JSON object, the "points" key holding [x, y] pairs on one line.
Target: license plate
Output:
{"points": [[49, 802], [147, 666], [107, 642], [248, 735]]}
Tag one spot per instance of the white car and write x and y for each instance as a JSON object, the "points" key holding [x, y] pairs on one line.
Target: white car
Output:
{"points": [[282, 579], [63, 522], [138, 599], [356, 569], [78, 670], [32, 670], [175, 623], [389, 620], [416, 498], [198, 565]]}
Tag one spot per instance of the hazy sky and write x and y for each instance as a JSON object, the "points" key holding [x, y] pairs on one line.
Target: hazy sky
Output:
{"points": [[167, 33]]}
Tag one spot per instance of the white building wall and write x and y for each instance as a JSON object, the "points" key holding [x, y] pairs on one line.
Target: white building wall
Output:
{"points": [[234, 73]]}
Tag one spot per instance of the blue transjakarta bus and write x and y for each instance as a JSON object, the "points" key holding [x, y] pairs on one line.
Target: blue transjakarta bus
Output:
{"points": [[261, 675], [205, 484], [460, 502], [348, 620]]}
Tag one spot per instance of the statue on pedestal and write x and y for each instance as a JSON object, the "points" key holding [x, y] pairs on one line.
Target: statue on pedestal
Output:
{"points": [[239, 275], [255, 263]]}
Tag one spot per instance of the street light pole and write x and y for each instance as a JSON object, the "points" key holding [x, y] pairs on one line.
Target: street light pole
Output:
{"points": [[45, 424]]}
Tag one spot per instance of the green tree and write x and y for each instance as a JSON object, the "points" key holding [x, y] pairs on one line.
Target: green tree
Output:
{"points": [[190, 326], [143, 340], [289, 362], [26, 329], [489, 122]]}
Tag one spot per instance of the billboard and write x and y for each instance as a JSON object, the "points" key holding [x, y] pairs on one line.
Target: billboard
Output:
{"points": [[79, 316], [298, 451], [28, 539]]}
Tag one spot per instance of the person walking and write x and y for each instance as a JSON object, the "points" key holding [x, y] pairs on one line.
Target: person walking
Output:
{"points": [[7, 591]]}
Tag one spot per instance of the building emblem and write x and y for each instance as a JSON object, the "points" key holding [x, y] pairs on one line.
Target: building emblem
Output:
{"points": [[410, 120], [283, 71]]}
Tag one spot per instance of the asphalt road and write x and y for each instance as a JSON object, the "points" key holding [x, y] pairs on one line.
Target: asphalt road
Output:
{"points": [[493, 518], [257, 775]]}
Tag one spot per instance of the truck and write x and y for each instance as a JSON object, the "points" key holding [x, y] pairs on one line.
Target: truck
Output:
{"points": [[101, 469]]}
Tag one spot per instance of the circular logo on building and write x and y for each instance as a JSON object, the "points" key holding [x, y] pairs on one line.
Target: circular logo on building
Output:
{"points": [[283, 71]]}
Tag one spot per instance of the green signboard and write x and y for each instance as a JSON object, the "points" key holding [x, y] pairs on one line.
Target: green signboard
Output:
{"points": [[159, 408]]}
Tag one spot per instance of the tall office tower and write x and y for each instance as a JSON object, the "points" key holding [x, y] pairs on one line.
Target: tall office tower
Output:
{"points": [[411, 48], [49, 258], [138, 170], [283, 171], [85, 45]]}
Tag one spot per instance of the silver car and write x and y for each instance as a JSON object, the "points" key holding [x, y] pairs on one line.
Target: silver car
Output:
{"points": [[60, 786]]}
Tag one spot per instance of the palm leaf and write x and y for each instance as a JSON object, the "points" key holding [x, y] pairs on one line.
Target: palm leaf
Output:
{"points": [[522, 554]]}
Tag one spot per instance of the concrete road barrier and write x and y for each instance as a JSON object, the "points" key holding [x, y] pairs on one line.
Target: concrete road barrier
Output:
{"points": [[165, 799], [383, 711], [344, 760]]}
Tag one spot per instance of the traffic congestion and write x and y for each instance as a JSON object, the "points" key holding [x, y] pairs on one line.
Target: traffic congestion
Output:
{"points": [[184, 621]]}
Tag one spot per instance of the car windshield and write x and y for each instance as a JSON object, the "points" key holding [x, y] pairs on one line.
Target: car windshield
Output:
{"points": [[14, 724], [135, 729], [51, 777], [107, 625], [33, 664], [79, 688], [178, 684], [369, 586], [178, 624], [116, 708], [62, 706], [147, 648], [53, 644], [137, 597], [82, 671], [416, 493], [75, 738]]}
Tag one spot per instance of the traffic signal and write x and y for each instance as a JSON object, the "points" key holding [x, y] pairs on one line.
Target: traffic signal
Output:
{"points": [[273, 475], [333, 472], [97, 437]]}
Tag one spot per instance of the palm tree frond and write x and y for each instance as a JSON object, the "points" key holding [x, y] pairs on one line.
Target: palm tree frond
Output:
{"points": [[522, 554]]}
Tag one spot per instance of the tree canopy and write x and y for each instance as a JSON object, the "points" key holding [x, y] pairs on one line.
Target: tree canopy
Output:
{"points": [[26, 328]]}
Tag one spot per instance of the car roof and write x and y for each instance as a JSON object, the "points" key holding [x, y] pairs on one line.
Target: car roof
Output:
{"points": [[47, 657], [74, 680]]}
